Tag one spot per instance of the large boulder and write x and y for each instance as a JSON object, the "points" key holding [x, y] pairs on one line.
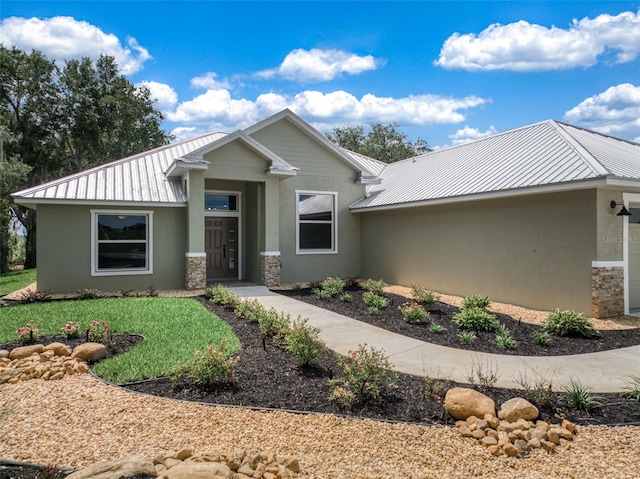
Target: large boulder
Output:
{"points": [[22, 352], [126, 467], [462, 403], [90, 351], [58, 349], [518, 408], [197, 470]]}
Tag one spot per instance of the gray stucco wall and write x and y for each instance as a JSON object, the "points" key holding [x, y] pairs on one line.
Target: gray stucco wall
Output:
{"points": [[64, 251], [534, 251]]}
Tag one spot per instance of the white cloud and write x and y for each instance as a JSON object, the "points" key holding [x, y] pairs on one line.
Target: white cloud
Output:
{"points": [[65, 38], [185, 132], [468, 134], [165, 96], [522, 46], [208, 81], [615, 111], [318, 65]]}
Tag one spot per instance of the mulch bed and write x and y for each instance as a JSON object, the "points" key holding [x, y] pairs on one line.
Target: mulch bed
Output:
{"points": [[391, 319]]}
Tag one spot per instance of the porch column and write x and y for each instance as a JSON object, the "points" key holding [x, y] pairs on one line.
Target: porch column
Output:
{"points": [[607, 289], [196, 257], [270, 258]]}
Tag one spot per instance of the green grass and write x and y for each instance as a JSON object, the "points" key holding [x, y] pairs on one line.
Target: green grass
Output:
{"points": [[15, 280], [173, 327]]}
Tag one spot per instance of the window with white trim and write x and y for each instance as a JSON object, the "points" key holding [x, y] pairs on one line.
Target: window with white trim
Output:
{"points": [[121, 242], [316, 222]]}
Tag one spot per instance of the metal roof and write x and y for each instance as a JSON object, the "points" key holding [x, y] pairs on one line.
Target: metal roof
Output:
{"points": [[546, 153]]}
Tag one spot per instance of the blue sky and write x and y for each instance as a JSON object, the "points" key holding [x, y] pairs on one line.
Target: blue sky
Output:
{"points": [[446, 72]]}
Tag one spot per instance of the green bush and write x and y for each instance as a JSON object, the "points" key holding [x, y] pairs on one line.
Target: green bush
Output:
{"points": [[467, 337], [424, 297], [413, 313], [332, 287], [249, 309], [367, 376], [476, 319], [569, 323], [504, 340], [374, 286], [304, 341], [435, 328], [581, 397], [274, 324], [541, 337], [375, 302], [476, 301], [209, 366], [221, 295]]}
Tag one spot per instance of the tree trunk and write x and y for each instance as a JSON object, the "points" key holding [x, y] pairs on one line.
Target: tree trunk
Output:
{"points": [[28, 219]]}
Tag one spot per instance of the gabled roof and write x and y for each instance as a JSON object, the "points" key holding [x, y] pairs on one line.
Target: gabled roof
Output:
{"points": [[139, 178], [520, 161]]}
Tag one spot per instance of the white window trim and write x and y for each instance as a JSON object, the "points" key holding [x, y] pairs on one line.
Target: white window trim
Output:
{"points": [[94, 243], [232, 214], [333, 250]]}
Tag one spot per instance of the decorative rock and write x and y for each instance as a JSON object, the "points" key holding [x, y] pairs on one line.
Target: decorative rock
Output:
{"points": [[4, 353], [489, 441], [510, 450], [182, 454], [126, 467], [518, 408], [22, 352], [58, 349], [90, 351], [197, 470], [464, 402], [569, 426], [548, 446], [522, 445]]}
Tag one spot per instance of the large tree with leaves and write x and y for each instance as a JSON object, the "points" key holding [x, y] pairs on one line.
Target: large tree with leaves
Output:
{"points": [[63, 120], [382, 142]]}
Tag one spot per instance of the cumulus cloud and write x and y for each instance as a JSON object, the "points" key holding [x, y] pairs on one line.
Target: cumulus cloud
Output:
{"points": [[468, 134], [65, 38], [616, 111], [209, 81], [165, 96], [218, 110], [318, 65], [522, 46]]}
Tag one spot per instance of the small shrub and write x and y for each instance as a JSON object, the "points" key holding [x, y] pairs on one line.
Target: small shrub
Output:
{"points": [[539, 391], [541, 337], [32, 296], [333, 287], [633, 388], [367, 376], [249, 309], [581, 397], [424, 297], [476, 301], [436, 388], [87, 294], [435, 328], [71, 330], [28, 333], [374, 286], [569, 323], [345, 297], [296, 288], [506, 341], [467, 337], [414, 313], [210, 365], [99, 332], [375, 302], [304, 341], [319, 293], [274, 324], [221, 295], [484, 375], [476, 319]]}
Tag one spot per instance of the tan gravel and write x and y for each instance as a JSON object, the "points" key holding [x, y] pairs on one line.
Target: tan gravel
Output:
{"points": [[80, 420]]}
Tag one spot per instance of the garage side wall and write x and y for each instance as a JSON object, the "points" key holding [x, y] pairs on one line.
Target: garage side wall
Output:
{"points": [[533, 251], [64, 251]]}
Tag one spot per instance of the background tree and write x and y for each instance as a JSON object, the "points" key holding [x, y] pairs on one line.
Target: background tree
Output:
{"points": [[66, 120], [382, 142]]}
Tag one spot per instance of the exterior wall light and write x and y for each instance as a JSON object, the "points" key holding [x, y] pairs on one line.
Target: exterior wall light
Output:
{"points": [[623, 212]]}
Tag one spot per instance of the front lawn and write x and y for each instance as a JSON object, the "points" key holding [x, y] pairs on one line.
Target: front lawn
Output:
{"points": [[15, 280], [173, 327]]}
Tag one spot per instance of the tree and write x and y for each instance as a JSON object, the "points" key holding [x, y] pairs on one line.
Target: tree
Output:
{"points": [[382, 142], [66, 120]]}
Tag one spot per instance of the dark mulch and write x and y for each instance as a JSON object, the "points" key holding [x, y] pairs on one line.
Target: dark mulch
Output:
{"points": [[391, 319]]}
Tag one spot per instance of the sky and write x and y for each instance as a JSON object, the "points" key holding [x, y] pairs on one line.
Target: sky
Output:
{"points": [[444, 72]]}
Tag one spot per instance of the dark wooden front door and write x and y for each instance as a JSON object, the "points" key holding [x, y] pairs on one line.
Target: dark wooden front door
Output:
{"points": [[221, 246]]}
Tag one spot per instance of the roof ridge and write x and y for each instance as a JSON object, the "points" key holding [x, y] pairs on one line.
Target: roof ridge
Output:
{"points": [[596, 166]]}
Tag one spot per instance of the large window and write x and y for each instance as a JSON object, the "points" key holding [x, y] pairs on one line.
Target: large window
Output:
{"points": [[316, 222], [121, 242], [220, 202]]}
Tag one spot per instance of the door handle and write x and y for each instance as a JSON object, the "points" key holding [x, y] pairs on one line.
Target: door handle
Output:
{"points": [[224, 250]]}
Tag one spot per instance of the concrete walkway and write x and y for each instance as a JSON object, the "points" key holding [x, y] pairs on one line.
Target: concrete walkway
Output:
{"points": [[607, 371]]}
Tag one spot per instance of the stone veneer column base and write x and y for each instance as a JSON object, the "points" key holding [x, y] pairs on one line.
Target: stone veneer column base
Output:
{"points": [[607, 291], [270, 268], [196, 271]]}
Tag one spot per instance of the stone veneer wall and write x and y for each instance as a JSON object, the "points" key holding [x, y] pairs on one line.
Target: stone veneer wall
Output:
{"points": [[607, 291], [196, 272], [270, 270]]}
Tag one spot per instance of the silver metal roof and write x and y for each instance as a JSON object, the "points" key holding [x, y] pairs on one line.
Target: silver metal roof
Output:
{"points": [[546, 153]]}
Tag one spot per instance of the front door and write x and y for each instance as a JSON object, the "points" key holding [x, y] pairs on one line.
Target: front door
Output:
{"points": [[634, 264], [221, 246]]}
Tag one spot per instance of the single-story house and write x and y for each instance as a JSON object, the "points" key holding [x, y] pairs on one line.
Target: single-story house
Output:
{"points": [[530, 216]]}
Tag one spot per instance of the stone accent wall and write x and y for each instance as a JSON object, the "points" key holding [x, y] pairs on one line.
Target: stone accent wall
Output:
{"points": [[607, 291], [196, 272], [270, 270]]}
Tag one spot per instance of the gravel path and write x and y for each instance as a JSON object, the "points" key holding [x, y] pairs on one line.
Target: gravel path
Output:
{"points": [[80, 420]]}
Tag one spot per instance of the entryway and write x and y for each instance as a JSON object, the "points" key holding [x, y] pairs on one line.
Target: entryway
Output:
{"points": [[221, 247], [634, 264]]}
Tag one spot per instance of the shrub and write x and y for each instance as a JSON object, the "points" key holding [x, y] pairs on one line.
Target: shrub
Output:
{"points": [[221, 295], [304, 341], [87, 294], [435, 328], [424, 297], [504, 340], [99, 332], [28, 333], [477, 319], [32, 296], [375, 302], [249, 309], [71, 330], [467, 337], [319, 293], [367, 376], [274, 324], [538, 391], [345, 297], [374, 286], [414, 313], [210, 365], [296, 288], [581, 397], [476, 301], [333, 287], [569, 323], [541, 337], [633, 388]]}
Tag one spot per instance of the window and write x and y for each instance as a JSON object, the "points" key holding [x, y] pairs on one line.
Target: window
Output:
{"points": [[220, 202], [316, 222], [121, 242]]}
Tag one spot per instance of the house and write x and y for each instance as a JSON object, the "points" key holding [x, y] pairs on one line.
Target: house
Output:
{"points": [[529, 216]]}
